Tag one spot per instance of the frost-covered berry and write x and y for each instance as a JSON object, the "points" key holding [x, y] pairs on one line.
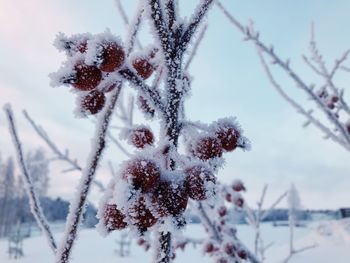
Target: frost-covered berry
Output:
{"points": [[228, 197], [144, 106], [228, 136], [140, 215], [141, 136], [238, 186], [347, 126], [242, 254], [209, 247], [114, 218], [334, 99], [207, 147], [86, 77], [200, 182], [222, 211], [229, 249], [169, 200], [93, 102], [144, 174], [239, 201], [112, 56], [143, 67]]}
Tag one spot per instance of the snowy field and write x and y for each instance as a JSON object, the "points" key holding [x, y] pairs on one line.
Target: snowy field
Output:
{"points": [[332, 239]]}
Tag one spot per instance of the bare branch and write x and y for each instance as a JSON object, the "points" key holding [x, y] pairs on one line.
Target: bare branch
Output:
{"points": [[63, 156], [33, 198]]}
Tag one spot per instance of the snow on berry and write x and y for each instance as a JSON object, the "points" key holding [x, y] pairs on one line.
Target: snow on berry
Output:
{"points": [[93, 102], [140, 215], [237, 186], [200, 182], [143, 174], [86, 77], [114, 218], [143, 67], [169, 199], [141, 136], [206, 147], [106, 51]]}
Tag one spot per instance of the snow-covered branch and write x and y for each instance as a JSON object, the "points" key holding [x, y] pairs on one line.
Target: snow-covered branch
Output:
{"points": [[33, 198], [88, 174]]}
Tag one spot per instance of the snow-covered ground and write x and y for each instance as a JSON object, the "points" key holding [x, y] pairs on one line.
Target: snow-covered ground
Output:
{"points": [[332, 239]]}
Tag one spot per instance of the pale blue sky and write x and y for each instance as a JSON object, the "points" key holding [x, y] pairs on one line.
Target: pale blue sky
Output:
{"points": [[228, 80]]}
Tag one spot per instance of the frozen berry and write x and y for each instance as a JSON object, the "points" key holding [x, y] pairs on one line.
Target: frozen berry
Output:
{"points": [[238, 186], [140, 215], [169, 200], [210, 248], [334, 99], [242, 254], [228, 136], [199, 182], [347, 125], [144, 173], [222, 211], [239, 201], [93, 102], [229, 249], [207, 147], [142, 136], [114, 218], [228, 197], [143, 67], [86, 77], [113, 57]]}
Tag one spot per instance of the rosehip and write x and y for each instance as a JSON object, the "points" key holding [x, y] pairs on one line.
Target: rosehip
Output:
{"points": [[242, 254], [169, 200], [197, 180], [238, 201], [113, 57], [93, 102], [86, 77], [141, 136], [143, 68], [140, 214], [238, 186], [144, 173], [229, 249], [207, 148], [114, 218], [228, 136], [210, 248], [222, 211]]}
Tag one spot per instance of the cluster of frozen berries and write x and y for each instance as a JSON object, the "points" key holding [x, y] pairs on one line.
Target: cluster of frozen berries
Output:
{"points": [[91, 67], [329, 100], [154, 191]]}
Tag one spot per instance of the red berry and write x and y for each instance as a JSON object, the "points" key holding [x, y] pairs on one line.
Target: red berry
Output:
{"points": [[141, 136], [207, 148], [140, 215], [143, 67], [228, 197], [93, 102], [197, 180], [145, 174], [347, 125], [330, 105], [210, 248], [114, 218], [222, 211], [334, 99], [238, 186], [169, 200], [86, 77], [113, 57], [242, 254], [228, 136], [239, 202], [229, 249]]}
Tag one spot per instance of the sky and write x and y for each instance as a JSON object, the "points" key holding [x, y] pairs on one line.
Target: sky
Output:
{"points": [[227, 81]]}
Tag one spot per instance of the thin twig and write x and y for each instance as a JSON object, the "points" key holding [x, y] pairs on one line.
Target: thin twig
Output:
{"points": [[34, 200]]}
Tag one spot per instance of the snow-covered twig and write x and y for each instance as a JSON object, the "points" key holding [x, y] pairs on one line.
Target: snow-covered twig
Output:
{"points": [[196, 45], [60, 155], [88, 174], [132, 38], [126, 19], [33, 199], [297, 251], [342, 137]]}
